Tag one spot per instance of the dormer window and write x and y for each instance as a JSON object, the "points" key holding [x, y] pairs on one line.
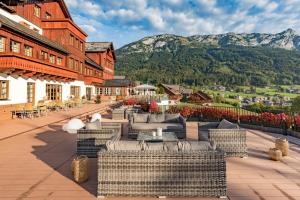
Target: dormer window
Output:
{"points": [[48, 15], [37, 11]]}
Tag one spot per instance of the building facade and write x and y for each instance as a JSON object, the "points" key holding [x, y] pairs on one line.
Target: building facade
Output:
{"points": [[43, 55]]}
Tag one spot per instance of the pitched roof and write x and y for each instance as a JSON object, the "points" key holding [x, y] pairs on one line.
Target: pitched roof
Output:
{"points": [[174, 89], [117, 83], [4, 21], [93, 63], [97, 46], [61, 2]]}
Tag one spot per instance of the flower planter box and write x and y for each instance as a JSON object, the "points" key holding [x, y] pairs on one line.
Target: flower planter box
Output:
{"points": [[249, 126]]}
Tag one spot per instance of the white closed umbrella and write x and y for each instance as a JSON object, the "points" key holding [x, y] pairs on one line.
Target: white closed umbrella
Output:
{"points": [[95, 117], [73, 125]]}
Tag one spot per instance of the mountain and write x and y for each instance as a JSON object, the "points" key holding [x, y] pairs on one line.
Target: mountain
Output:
{"points": [[240, 59]]}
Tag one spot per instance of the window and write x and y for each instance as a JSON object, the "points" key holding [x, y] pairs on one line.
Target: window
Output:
{"points": [[71, 63], [27, 50], [2, 44], [44, 55], [76, 65], [107, 91], [71, 42], [15, 46], [81, 68], [52, 58], [118, 91], [77, 43], [75, 91], [48, 15], [37, 11], [59, 60], [53, 92], [4, 90], [98, 91], [81, 46], [30, 92]]}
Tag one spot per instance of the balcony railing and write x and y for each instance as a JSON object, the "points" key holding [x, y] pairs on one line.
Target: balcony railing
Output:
{"points": [[14, 61]]}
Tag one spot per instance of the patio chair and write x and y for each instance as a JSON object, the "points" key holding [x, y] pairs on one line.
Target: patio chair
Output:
{"points": [[59, 105], [42, 108], [18, 112], [30, 111]]}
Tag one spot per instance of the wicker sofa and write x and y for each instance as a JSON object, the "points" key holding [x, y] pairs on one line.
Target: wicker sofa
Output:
{"points": [[139, 122], [226, 135], [93, 137], [160, 171]]}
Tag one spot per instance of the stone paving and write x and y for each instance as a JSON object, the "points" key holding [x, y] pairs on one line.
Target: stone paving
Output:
{"points": [[36, 165]]}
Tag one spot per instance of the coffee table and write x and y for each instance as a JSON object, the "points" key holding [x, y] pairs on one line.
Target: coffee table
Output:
{"points": [[166, 137]]}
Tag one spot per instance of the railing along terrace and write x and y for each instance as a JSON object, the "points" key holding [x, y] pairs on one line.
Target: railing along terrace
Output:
{"points": [[242, 116], [148, 98]]}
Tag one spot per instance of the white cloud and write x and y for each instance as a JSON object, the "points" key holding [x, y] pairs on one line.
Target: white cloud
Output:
{"points": [[85, 6], [146, 17]]}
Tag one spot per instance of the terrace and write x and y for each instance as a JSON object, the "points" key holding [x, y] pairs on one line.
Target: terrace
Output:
{"points": [[36, 157]]}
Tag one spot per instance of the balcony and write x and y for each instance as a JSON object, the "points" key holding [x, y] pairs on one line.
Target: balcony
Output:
{"points": [[89, 80], [15, 64]]}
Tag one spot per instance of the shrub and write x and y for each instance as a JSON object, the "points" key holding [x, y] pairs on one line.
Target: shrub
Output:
{"points": [[153, 107]]}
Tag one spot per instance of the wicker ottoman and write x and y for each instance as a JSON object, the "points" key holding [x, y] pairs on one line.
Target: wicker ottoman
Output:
{"points": [[282, 145], [275, 154]]}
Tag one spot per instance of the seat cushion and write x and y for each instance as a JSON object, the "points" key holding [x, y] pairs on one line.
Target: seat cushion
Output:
{"points": [[154, 146], [125, 145], [224, 124], [156, 118], [96, 125], [153, 126], [172, 118], [194, 146], [170, 146], [140, 118]]}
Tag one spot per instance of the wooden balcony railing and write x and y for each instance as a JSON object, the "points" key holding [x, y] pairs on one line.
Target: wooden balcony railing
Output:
{"points": [[93, 80], [27, 65]]}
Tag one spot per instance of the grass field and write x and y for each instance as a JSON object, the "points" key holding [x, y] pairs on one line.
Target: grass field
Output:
{"points": [[270, 90]]}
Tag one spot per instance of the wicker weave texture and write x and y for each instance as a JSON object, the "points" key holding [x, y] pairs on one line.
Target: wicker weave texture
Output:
{"points": [[118, 114], [152, 173], [89, 142], [232, 141]]}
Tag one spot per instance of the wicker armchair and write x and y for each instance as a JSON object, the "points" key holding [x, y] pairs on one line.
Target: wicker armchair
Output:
{"points": [[89, 142], [232, 141], [160, 173]]}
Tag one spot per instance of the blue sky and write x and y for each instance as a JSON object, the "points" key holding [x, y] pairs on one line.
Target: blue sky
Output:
{"points": [[125, 21]]}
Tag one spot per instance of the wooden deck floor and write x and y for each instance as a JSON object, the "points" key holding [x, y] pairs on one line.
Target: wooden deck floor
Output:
{"points": [[36, 165]]}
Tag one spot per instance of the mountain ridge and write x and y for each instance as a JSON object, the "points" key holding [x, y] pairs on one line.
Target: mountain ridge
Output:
{"points": [[229, 59], [287, 39]]}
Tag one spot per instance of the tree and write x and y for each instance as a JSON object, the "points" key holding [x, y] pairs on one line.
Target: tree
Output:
{"points": [[296, 105]]}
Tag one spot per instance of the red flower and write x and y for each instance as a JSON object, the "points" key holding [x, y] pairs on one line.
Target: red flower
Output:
{"points": [[153, 108]]}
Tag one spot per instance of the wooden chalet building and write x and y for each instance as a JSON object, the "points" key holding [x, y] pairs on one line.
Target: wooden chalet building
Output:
{"points": [[116, 89], [44, 54], [199, 98], [175, 92]]}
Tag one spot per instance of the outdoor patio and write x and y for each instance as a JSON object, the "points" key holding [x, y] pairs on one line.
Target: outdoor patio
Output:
{"points": [[36, 156]]}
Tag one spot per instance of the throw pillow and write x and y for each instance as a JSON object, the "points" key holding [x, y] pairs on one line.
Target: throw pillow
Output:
{"points": [[140, 118], [156, 118], [172, 118], [224, 124]]}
